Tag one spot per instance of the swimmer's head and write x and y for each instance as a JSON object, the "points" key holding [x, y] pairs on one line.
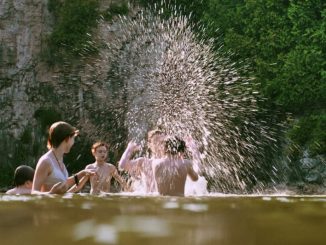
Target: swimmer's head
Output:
{"points": [[99, 144], [155, 140], [58, 132], [100, 150], [174, 145], [23, 174]]}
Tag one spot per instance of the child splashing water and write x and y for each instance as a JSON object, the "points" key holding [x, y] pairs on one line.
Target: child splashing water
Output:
{"points": [[104, 171], [152, 172], [172, 170], [140, 169]]}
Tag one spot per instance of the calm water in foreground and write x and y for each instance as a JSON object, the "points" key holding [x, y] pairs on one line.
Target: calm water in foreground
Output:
{"points": [[122, 219]]}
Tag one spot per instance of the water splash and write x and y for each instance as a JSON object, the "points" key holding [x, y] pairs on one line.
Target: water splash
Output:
{"points": [[173, 78], [154, 70]]}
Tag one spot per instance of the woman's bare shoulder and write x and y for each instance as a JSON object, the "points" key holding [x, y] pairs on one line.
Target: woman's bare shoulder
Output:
{"points": [[44, 162]]}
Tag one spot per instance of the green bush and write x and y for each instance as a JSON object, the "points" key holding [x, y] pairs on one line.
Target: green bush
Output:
{"points": [[72, 33], [285, 44], [47, 116], [115, 9], [309, 132]]}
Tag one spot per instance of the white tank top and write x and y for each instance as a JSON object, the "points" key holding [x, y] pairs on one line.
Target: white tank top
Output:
{"points": [[57, 175]]}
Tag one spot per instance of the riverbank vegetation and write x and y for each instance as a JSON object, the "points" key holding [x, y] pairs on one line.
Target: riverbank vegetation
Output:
{"points": [[74, 23], [284, 44]]}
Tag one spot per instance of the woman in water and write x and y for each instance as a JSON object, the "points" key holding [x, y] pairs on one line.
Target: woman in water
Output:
{"points": [[51, 175]]}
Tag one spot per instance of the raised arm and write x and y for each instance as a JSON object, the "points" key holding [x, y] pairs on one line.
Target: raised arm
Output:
{"points": [[191, 172], [126, 163], [196, 158]]}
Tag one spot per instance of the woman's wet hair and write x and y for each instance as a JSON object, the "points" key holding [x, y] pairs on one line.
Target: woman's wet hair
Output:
{"points": [[174, 145], [23, 174], [58, 132]]}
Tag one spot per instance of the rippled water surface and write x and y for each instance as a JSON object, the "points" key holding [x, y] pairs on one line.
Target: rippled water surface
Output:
{"points": [[122, 219]]}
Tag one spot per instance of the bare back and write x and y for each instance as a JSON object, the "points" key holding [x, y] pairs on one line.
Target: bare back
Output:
{"points": [[170, 175]]}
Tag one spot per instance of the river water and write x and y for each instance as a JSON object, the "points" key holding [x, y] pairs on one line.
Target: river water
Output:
{"points": [[128, 219]]}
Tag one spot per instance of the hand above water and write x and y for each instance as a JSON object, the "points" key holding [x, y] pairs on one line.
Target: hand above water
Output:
{"points": [[190, 143], [132, 145], [196, 156]]}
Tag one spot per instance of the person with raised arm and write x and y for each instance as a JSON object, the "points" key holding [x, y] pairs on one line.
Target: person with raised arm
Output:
{"points": [[51, 175], [198, 187], [172, 170], [142, 167]]}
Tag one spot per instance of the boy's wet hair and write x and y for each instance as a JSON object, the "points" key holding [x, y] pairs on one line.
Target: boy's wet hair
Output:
{"points": [[23, 174], [174, 145], [99, 144], [154, 132]]}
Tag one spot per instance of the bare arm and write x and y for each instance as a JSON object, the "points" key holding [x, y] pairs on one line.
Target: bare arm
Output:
{"points": [[42, 171], [196, 158], [126, 163], [80, 175], [82, 182], [116, 176], [94, 180], [11, 192], [191, 172]]}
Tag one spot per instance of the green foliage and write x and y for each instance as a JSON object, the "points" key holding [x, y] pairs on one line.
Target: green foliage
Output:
{"points": [[285, 44], [186, 7], [1, 53], [309, 132], [115, 9], [26, 136], [301, 87], [71, 36], [46, 116]]}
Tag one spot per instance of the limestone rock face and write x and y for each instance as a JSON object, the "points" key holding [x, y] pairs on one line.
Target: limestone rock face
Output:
{"points": [[314, 169], [23, 26], [32, 93]]}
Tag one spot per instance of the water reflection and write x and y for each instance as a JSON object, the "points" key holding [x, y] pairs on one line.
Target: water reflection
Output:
{"points": [[103, 233], [115, 219], [195, 207]]}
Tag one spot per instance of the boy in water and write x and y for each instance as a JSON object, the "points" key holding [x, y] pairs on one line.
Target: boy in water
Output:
{"points": [[23, 180], [104, 171], [171, 171], [142, 167]]}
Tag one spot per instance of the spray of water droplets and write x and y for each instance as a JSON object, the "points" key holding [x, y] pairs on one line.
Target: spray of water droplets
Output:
{"points": [[172, 78]]}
